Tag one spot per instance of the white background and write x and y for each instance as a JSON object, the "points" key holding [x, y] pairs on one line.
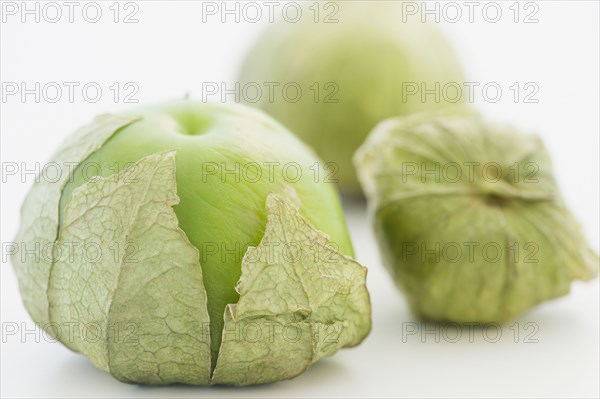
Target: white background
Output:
{"points": [[170, 52]]}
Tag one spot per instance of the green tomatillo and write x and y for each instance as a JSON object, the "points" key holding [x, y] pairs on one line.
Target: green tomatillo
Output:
{"points": [[468, 216], [196, 244], [332, 76]]}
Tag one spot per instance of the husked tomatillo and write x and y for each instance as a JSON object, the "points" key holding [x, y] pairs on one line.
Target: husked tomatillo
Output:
{"points": [[468, 216], [195, 256]]}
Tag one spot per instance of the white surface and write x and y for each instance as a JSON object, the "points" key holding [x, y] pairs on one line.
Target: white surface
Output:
{"points": [[170, 52]]}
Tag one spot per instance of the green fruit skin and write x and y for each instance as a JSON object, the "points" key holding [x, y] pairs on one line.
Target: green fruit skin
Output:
{"points": [[371, 63], [221, 213]]}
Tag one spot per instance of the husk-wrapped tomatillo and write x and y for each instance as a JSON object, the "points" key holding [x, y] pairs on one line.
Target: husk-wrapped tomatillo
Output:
{"points": [[468, 217], [174, 247]]}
